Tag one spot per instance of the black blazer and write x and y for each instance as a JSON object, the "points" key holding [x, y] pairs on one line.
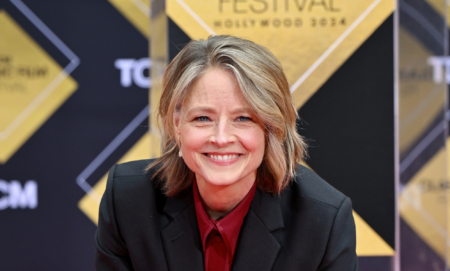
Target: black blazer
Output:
{"points": [[308, 227]]}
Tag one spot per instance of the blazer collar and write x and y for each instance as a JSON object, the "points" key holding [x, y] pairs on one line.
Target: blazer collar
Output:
{"points": [[257, 248], [175, 205], [268, 209], [181, 238]]}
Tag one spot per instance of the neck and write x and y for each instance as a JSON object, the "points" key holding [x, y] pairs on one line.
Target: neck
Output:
{"points": [[221, 200]]}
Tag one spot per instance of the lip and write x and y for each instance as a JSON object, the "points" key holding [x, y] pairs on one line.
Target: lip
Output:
{"points": [[209, 156]]}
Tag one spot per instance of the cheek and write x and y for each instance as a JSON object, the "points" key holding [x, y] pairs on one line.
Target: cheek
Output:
{"points": [[191, 144], [192, 139], [254, 141]]}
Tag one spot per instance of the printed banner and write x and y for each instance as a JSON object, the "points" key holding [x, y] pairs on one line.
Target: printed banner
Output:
{"points": [[74, 81], [423, 118]]}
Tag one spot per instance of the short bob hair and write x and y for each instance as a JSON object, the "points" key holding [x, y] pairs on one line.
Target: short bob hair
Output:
{"points": [[263, 84]]}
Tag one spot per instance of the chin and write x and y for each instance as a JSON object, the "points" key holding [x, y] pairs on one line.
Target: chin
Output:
{"points": [[227, 178], [220, 181]]}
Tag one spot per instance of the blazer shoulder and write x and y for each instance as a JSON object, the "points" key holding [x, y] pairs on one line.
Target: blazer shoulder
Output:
{"points": [[311, 186], [133, 168], [129, 185], [131, 179]]}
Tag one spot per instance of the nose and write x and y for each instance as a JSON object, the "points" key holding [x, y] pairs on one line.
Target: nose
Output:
{"points": [[222, 134]]}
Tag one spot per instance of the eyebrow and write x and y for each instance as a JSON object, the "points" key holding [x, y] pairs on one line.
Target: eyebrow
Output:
{"points": [[202, 109], [242, 110], [212, 110]]}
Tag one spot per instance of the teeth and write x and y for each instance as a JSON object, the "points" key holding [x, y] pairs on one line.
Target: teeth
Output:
{"points": [[223, 157]]}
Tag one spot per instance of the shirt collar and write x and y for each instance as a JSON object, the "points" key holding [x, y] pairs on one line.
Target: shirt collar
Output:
{"points": [[228, 226]]}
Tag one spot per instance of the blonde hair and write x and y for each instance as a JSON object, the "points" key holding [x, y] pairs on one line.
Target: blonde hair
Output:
{"points": [[265, 87]]}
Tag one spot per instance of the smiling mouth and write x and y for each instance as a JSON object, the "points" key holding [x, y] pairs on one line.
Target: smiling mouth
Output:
{"points": [[226, 157]]}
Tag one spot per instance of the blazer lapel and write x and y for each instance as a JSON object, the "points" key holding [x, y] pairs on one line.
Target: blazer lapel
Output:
{"points": [[181, 238], [257, 248]]}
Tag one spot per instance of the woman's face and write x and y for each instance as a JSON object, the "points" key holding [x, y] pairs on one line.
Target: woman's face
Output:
{"points": [[221, 140]]}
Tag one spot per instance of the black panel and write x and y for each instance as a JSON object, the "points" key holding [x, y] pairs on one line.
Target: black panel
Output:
{"points": [[349, 124], [376, 263]]}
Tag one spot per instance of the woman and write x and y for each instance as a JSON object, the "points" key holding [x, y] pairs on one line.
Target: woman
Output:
{"points": [[227, 192]]}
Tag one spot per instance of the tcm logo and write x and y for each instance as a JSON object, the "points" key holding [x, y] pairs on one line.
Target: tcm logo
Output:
{"points": [[441, 66], [132, 70], [14, 195]]}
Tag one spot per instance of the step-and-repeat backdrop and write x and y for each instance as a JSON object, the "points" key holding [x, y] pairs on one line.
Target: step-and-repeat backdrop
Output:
{"points": [[423, 134], [74, 100], [74, 80]]}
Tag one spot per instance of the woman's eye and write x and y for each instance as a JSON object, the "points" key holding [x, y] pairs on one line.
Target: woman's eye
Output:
{"points": [[202, 118], [243, 118]]}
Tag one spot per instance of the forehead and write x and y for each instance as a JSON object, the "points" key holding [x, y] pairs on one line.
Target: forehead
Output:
{"points": [[214, 87]]}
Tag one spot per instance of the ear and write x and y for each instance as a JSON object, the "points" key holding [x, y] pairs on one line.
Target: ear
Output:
{"points": [[176, 123]]}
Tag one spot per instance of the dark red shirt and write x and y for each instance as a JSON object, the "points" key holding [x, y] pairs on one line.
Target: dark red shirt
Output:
{"points": [[219, 238]]}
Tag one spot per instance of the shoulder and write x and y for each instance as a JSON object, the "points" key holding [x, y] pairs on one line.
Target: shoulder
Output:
{"points": [[133, 168], [131, 173], [130, 214], [328, 214], [130, 183], [318, 218], [312, 188]]}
